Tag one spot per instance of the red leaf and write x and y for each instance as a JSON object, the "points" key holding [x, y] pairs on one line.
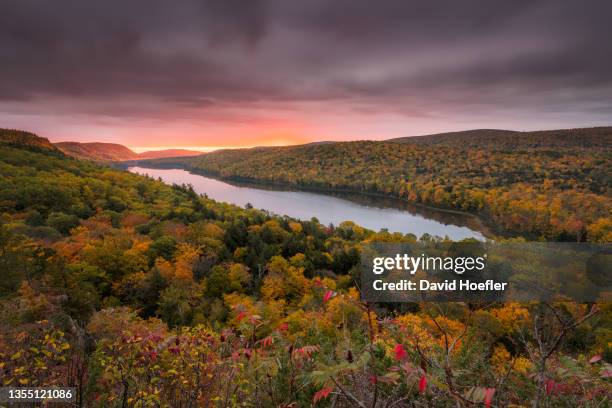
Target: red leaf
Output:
{"points": [[321, 394], [241, 316], [328, 295], [489, 392], [306, 351], [595, 359], [422, 384], [373, 379], [400, 352], [266, 342], [549, 386]]}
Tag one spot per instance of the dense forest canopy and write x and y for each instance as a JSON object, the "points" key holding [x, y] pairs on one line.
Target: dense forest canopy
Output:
{"points": [[552, 185], [142, 294]]}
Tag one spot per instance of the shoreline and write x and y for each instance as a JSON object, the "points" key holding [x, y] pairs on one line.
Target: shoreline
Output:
{"points": [[480, 223]]}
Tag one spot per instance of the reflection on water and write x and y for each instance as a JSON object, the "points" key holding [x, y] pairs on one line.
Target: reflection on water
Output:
{"points": [[371, 212]]}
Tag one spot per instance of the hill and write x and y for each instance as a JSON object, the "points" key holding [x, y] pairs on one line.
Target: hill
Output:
{"points": [[554, 185], [503, 139], [103, 152], [155, 154], [479, 135], [113, 152], [26, 140]]}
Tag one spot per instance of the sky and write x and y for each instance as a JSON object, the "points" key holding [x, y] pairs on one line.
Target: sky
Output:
{"points": [[233, 73]]}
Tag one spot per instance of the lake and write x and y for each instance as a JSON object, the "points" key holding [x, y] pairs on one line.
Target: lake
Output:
{"points": [[371, 212]]}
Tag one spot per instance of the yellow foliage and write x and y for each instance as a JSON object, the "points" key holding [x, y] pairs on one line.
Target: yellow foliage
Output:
{"points": [[329, 283], [197, 232], [343, 310], [141, 245], [303, 325], [186, 256], [165, 268], [298, 260], [239, 305], [353, 293], [284, 281], [415, 331], [600, 230], [511, 316], [272, 288], [522, 365], [183, 271], [238, 276], [451, 327], [501, 360], [296, 227], [110, 323]]}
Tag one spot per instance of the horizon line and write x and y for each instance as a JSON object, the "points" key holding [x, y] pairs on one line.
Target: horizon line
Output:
{"points": [[203, 149]]}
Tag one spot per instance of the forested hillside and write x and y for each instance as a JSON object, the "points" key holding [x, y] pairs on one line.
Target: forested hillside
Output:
{"points": [[141, 294], [26, 140], [552, 185], [104, 152], [509, 139], [113, 152]]}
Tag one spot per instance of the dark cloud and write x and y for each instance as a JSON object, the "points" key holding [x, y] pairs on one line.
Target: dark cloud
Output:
{"points": [[371, 56]]}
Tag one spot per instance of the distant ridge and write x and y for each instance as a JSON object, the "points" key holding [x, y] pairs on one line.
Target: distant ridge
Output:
{"points": [[320, 142], [114, 152], [97, 151], [155, 154], [446, 136], [501, 138]]}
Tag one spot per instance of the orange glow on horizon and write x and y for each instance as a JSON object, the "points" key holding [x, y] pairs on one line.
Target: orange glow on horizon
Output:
{"points": [[232, 141], [206, 149]]}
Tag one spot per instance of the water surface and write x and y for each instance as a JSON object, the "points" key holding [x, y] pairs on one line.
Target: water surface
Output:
{"points": [[374, 213]]}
